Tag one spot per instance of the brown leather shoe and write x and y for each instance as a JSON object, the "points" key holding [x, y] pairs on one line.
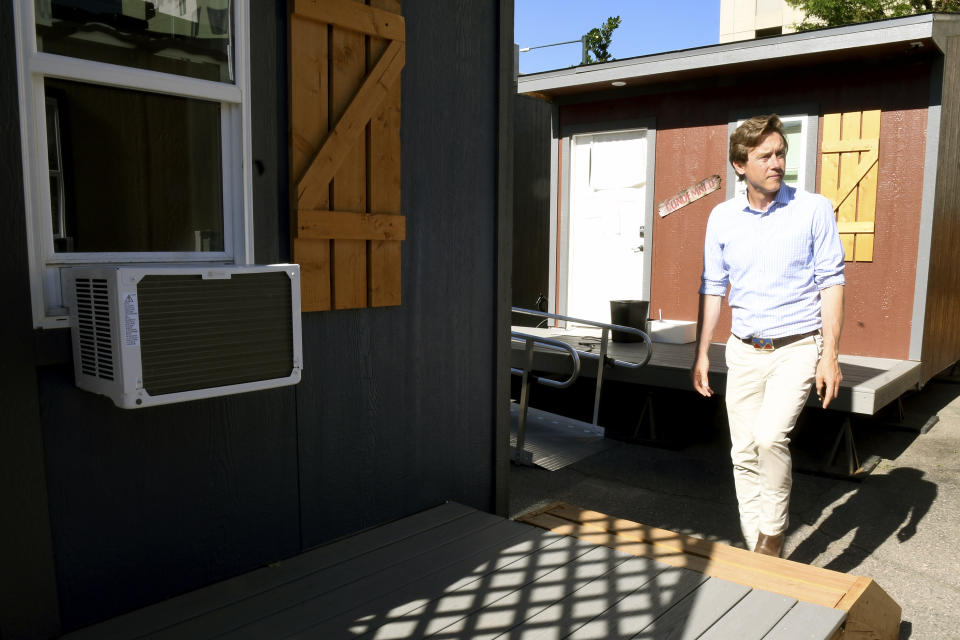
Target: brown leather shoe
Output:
{"points": [[769, 545]]}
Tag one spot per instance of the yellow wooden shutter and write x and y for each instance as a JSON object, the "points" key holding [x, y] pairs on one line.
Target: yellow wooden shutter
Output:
{"points": [[850, 152], [345, 63]]}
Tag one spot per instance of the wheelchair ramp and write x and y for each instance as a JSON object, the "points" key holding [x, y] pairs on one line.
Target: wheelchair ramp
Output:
{"points": [[554, 442]]}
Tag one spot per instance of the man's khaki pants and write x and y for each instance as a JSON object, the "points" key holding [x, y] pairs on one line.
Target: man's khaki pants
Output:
{"points": [[766, 390]]}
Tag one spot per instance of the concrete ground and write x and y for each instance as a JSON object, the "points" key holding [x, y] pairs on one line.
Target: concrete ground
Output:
{"points": [[899, 525]]}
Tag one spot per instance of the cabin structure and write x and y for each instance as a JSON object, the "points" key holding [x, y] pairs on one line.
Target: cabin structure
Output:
{"points": [[631, 157], [154, 155], [361, 141]]}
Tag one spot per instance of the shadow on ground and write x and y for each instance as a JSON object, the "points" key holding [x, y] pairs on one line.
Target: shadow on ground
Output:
{"points": [[884, 506]]}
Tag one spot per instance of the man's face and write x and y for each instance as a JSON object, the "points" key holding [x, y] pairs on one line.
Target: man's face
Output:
{"points": [[765, 165]]}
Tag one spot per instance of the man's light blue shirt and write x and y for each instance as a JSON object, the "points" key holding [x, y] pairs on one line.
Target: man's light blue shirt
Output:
{"points": [[775, 262]]}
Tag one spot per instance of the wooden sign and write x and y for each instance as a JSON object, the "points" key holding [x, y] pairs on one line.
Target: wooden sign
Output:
{"points": [[689, 195]]}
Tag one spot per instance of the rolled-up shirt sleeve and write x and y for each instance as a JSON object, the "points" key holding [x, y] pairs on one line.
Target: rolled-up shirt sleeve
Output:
{"points": [[714, 279], [827, 248]]}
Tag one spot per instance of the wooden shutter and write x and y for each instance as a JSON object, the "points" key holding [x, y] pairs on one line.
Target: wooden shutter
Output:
{"points": [[850, 153], [345, 63]]}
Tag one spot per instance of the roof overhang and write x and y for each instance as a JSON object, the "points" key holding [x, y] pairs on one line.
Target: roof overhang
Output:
{"points": [[860, 41]]}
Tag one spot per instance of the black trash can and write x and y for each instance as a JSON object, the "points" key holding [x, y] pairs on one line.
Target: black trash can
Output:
{"points": [[629, 313]]}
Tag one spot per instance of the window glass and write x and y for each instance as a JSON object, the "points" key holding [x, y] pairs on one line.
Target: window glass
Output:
{"points": [[184, 37], [136, 171], [793, 131], [55, 168]]}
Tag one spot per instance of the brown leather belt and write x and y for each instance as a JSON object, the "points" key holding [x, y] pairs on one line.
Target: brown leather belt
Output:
{"points": [[769, 344]]}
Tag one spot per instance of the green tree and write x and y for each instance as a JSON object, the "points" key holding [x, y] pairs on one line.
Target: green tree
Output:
{"points": [[598, 40], [836, 13]]}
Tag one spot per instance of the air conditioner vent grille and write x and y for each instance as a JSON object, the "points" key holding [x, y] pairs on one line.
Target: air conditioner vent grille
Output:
{"points": [[93, 328], [198, 333]]}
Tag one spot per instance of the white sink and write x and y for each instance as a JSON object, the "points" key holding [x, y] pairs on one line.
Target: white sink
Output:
{"points": [[672, 331]]}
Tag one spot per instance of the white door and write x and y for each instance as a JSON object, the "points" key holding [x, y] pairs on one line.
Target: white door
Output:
{"points": [[607, 194]]}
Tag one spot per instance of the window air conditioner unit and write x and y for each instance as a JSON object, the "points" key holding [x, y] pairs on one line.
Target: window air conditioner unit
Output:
{"points": [[148, 335]]}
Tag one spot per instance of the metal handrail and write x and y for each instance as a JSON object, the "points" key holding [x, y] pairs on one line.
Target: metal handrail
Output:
{"points": [[531, 340], [606, 328]]}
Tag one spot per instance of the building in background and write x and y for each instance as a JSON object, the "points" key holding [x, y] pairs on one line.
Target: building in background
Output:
{"points": [[869, 112], [748, 19]]}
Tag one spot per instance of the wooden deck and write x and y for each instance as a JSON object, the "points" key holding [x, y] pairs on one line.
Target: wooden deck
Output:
{"points": [[869, 384], [868, 611], [454, 572]]}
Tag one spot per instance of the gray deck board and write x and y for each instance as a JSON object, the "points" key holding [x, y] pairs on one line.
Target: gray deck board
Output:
{"points": [[339, 563], [455, 572], [391, 586], [242, 618], [642, 607], [579, 607], [153, 619], [466, 596], [752, 618], [696, 613], [868, 385], [807, 621], [504, 610], [398, 613]]}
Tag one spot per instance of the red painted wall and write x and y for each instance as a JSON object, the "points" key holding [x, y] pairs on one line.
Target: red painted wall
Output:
{"points": [[692, 126]]}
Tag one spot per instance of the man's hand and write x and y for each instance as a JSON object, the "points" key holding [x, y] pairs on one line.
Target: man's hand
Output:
{"points": [[828, 369], [699, 375], [828, 378], [706, 323]]}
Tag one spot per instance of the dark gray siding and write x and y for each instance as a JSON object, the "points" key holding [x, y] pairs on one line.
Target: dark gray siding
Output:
{"points": [[941, 327], [504, 259], [531, 204], [148, 504], [396, 410], [28, 602]]}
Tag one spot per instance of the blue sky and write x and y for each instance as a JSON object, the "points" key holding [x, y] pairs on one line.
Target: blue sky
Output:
{"points": [[646, 26]]}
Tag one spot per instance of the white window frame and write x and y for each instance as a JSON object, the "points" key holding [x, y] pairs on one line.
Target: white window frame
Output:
{"points": [[234, 98]]}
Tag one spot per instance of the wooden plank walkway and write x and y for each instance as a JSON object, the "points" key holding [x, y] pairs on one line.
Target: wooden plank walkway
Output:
{"points": [[869, 384], [454, 572]]}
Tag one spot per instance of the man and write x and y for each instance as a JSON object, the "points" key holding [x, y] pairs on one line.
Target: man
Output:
{"points": [[778, 250]]}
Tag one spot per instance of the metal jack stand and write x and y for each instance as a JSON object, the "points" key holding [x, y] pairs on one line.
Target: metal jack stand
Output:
{"points": [[646, 412], [902, 425], [855, 468], [845, 435]]}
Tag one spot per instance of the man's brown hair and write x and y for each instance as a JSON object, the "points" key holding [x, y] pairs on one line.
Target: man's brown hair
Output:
{"points": [[749, 134]]}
